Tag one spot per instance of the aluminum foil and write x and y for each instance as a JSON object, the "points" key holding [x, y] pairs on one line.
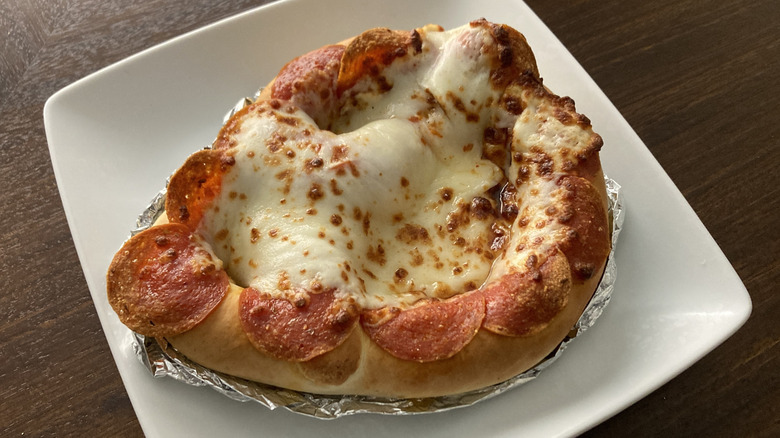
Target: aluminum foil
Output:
{"points": [[162, 360]]}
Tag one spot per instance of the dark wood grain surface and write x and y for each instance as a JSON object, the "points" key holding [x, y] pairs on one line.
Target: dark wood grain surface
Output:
{"points": [[699, 81]]}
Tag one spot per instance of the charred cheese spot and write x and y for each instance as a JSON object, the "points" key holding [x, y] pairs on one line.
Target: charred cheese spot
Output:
{"points": [[315, 192], [413, 234], [334, 187], [313, 163], [377, 254], [221, 234]]}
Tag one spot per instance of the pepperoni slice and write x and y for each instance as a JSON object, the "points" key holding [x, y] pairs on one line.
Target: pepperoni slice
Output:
{"points": [[309, 82], [195, 185], [370, 52], [162, 282], [295, 331], [587, 242], [313, 69], [433, 331], [524, 303]]}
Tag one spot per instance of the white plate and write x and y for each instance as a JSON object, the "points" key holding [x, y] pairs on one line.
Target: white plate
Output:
{"points": [[116, 135]]}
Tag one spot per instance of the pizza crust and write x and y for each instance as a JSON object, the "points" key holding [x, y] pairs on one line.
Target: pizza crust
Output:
{"points": [[359, 366], [356, 364]]}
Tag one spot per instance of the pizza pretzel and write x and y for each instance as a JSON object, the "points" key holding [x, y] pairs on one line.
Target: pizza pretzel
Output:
{"points": [[402, 214]]}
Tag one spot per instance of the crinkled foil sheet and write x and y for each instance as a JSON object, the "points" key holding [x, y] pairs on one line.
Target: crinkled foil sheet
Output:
{"points": [[164, 361]]}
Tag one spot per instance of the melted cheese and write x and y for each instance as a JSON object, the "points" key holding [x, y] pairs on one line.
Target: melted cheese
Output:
{"points": [[389, 207]]}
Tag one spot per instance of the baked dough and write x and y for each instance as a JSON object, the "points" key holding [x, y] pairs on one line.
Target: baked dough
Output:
{"points": [[402, 214]]}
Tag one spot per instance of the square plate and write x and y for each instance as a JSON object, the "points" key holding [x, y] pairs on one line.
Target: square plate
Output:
{"points": [[116, 135]]}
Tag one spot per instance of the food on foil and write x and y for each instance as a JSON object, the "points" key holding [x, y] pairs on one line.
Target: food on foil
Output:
{"points": [[405, 214]]}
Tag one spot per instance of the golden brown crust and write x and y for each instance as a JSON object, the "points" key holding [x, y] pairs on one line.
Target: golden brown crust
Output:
{"points": [[565, 278]]}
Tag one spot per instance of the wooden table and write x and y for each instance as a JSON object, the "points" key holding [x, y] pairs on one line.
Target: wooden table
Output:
{"points": [[698, 80]]}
